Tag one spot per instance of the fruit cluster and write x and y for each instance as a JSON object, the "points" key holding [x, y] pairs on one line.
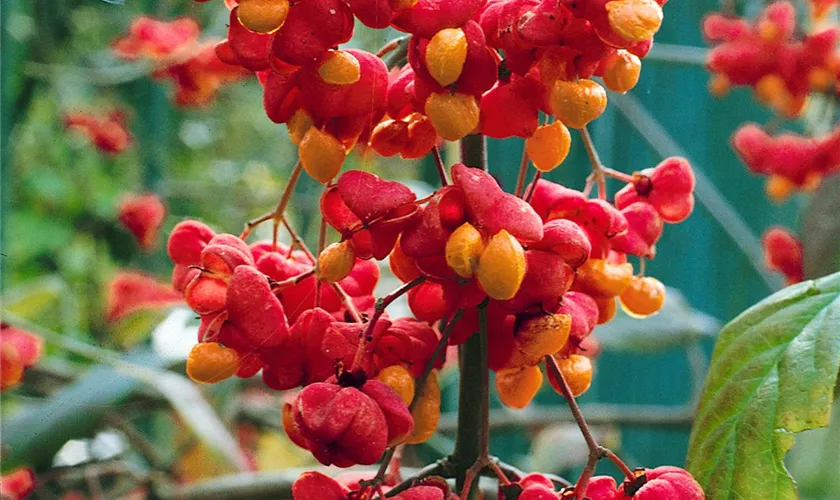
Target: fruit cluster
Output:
{"points": [[544, 272], [18, 351], [821, 8], [177, 54], [317, 486], [782, 67], [792, 162], [109, 133], [143, 215], [18, 484], [661, 483], [535, 273], [455, 82], [783, 253]]}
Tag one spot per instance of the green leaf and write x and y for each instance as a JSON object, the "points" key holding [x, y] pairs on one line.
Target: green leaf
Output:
{"points": [[34, 436], [676, 324], [821, 230], [772, 374], [188, 401], [33, 297]]}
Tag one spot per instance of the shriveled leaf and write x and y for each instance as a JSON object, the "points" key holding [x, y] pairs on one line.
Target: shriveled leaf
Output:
{"points": [[821, 230], [676, 324], [772, 374]]}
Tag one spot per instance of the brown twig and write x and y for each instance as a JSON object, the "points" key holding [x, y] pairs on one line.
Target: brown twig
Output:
{"points": [[278, 286], [596, 451], [346, 300], [277, 214], [441, 168], [529, 194], [595, 160]]}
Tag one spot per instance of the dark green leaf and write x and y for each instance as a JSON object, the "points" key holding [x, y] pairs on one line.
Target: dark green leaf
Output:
{"points": [[821, 230], [772, 374], [33, 437], [676, 324]]}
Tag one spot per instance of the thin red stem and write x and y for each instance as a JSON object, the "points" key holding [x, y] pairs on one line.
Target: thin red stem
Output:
{"points": [[503, 479], [615, 174], [523, 170], [280, 209], [322, 241], [612, 457], [441, 168], [277, 286], [442, 343], [346, 300], [277, 213], [379, 310], [529, 194], [596, 452], [389, 47]]}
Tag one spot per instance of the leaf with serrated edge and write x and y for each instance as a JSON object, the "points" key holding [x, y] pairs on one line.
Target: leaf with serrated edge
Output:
{"points": [[772, 374]]}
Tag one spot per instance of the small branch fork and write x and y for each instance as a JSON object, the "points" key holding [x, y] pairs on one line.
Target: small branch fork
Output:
{"points": [[599, 171], [420, 383], [596, 451], [379, 310], [277, 214]]}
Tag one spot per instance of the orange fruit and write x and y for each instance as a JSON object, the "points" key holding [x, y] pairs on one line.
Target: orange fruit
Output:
{"points": [[336, 261], [453, 115], [446, 54], [501, 267], [339, 68], [463, 250], [262, 16], [211, 362], [577, 103], [549, 146]]}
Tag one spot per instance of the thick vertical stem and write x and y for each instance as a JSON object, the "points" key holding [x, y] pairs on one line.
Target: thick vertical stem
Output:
{"points": [[472, 437], [474, 151]]}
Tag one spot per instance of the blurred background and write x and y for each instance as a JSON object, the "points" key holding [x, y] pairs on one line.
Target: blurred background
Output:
{"points": [[224, 162]]}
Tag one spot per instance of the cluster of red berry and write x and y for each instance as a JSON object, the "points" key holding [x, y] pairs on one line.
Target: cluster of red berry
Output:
{"points": [[142, 215], [108, 133], [18, 484], [545, 273], [792, 162], [178, 56], [455, 82], [661, 483], [783, 253], [821, 8], [535, 271], [782, 67], [18, 351]]}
